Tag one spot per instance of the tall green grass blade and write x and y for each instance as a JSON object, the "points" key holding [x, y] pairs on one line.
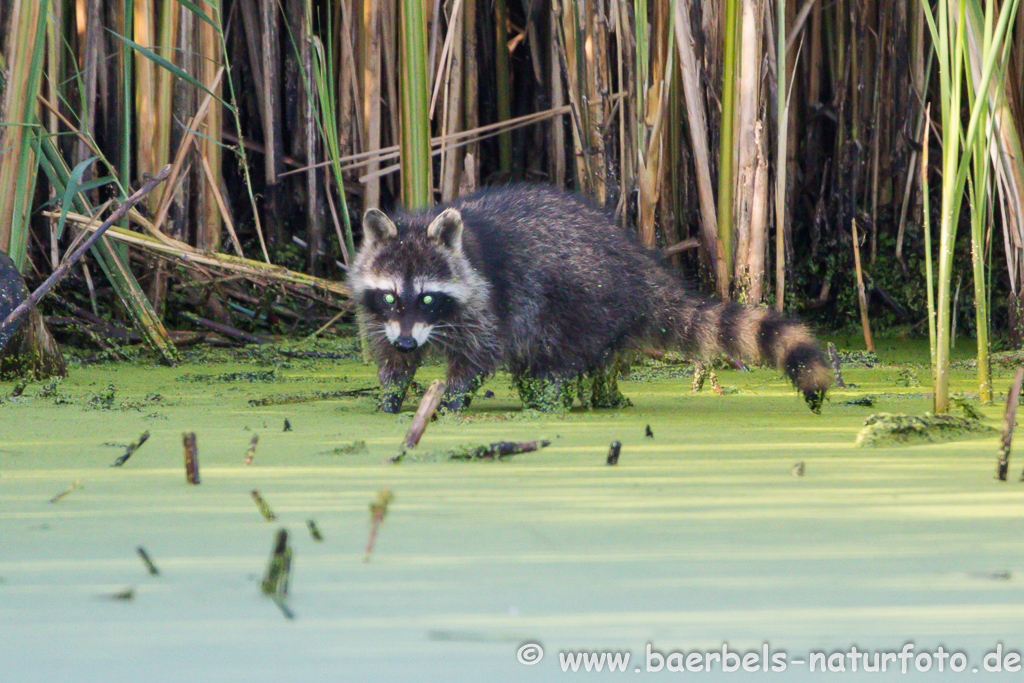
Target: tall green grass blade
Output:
{"points": [[177, 71], [959, 155], [73, 186], [145, 319], [324, 78], [192, 7]]}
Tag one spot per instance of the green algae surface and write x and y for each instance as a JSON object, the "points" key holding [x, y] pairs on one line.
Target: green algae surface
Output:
{"points": [[701, 538]]}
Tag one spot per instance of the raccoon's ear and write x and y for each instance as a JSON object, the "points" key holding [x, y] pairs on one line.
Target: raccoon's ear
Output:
{"points": [[377, 228], [447, 229]]}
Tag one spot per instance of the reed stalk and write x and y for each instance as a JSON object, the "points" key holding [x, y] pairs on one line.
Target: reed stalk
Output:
{"points": [[417, 183], [690, 66], [370, 39], [996, 153], [727, 147], [208, 145], [503, 83], [18, 164], [748, 155], [927, 230], [950, 32], [781, 151]]}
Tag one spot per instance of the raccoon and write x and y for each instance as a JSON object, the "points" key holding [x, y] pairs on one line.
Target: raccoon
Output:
{"points": [[545, 283]]}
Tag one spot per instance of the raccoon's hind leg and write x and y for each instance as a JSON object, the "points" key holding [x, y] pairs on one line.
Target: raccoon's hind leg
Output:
{"points": [[548, 393]]}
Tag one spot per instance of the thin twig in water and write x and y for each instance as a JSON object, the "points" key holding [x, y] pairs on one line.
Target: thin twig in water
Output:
{"points": [[74, 485]]}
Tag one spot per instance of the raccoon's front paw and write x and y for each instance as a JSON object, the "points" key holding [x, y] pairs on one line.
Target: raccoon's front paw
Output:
{"points": [[815, 398], [391, 402], [455, 405]]}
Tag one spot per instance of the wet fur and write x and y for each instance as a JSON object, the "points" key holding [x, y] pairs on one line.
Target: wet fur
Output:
{"points": [[545, 283]]}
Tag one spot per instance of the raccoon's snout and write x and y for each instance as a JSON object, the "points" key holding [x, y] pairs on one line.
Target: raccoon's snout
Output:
{"points": [[406, 343]]}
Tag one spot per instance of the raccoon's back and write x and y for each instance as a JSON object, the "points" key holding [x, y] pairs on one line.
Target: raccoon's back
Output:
{"points": [[568, 283]]}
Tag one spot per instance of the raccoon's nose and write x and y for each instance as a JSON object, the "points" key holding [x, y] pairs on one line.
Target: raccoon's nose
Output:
{"points": [[406, 343]]}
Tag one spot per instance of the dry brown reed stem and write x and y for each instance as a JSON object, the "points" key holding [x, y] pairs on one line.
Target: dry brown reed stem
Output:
{"points": [[446, 58], [427, 408], [1009, 421], [861, 293], [457, 139], [148, 561], [654, 158], [262, 506], [179, 159], [77, 484], [132, 447], [211, 204], [746, 151], [691, 77], [214, 191], [191, 452], [370, 39], [72, 128], [464, 140], [378, 509], [452, 120], [758, 220], [185, 255]]}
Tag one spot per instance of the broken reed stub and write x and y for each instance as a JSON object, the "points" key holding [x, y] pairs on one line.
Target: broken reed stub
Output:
{"points": [[1009, 418], [132, 447], [251, 451], [425, 411], [74, 485], [428, 406], [148, 561], [275, 581], [378, 508], [188, 442], [264, 509], [613, 453]]}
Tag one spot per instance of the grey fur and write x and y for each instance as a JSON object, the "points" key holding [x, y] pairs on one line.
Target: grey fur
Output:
{"points": [[545, 283]]}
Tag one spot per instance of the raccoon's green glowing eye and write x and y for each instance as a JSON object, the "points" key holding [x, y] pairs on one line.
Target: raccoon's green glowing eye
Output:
{"points": [[389, 298], [427, 299]]}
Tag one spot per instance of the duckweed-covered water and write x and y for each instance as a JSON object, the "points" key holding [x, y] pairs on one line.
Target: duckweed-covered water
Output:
{"points": [[704, 536]]}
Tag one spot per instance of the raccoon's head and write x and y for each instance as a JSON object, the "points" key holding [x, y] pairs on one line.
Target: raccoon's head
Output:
{"points": [[412, 282]]}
